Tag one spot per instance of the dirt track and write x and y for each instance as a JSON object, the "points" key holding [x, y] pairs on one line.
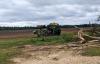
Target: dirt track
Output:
{"points": [[53, 55]]}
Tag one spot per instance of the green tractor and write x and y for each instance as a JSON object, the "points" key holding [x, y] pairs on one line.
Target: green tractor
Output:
{"points": [[52, 29]]}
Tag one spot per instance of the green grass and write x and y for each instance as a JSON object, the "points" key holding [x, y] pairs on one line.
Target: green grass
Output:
{"points": [[14, 42], [51, 40], [8, 51], [92, 51], [6, 54]]}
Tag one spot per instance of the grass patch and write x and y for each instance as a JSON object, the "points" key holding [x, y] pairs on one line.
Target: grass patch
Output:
{"points": [[6, 54], [64, 38], [8, 51], [91, 51], [14, 42]]}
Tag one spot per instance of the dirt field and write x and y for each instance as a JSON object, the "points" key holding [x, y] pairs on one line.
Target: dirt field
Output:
{"points": [[15, 34], [58, 54], [27, 33]]}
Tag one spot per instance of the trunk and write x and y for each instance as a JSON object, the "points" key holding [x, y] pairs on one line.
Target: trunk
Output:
{"points": [[97, 38]]}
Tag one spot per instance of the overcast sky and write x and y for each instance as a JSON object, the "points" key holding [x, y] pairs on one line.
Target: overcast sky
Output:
{"points": [[34, 12]]}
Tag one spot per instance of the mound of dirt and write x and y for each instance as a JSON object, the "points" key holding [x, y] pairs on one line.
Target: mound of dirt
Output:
{"points": [[59, 54]]}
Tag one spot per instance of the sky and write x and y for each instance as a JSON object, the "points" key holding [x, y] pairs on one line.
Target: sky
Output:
{"points": [[40, 12]]}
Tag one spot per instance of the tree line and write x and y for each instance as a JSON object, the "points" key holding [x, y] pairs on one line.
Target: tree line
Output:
{"points": [[62, 26]]}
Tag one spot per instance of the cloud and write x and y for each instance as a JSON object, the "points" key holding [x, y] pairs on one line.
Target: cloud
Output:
{"points": [[33, 12]]}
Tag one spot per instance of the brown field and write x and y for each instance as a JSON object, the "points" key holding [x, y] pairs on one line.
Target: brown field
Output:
{"points": [[15, 34], [7, 34]]}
